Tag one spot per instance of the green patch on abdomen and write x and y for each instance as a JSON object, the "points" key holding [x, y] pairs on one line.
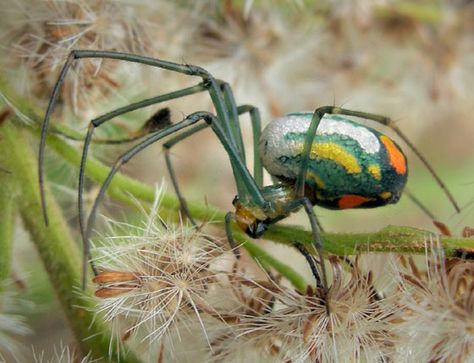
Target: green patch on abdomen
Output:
{"points": [[337, 166]]}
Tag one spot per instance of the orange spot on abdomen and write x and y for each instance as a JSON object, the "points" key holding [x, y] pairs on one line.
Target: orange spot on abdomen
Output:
{"points": [[351, 201], [395, 156]]}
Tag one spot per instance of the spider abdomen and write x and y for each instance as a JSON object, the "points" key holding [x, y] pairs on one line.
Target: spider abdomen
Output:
{"points": [[350, 165]]}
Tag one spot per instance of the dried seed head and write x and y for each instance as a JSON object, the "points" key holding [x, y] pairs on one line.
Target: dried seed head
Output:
{"points": [[42, 43], [438, 320], [158, 277], [297, 327]]}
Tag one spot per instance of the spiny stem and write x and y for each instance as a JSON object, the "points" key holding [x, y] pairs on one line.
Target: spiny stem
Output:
{"points": [[57, 249]]}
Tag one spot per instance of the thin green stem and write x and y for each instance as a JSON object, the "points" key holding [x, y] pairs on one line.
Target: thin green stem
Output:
{"points": [[57, 250]]}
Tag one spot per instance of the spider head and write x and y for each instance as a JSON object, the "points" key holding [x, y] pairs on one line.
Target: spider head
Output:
{"points": [[252, 220]]}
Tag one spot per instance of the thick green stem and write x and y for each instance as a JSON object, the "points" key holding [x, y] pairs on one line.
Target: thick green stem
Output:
{"points": [[58, 251], [7, 220], [390, 239]]}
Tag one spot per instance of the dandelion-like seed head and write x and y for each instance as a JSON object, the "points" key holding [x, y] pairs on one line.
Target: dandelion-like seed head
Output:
{"points": [[298, 328], [438, 303], [158, 277], [358, 325], [43, 43]]}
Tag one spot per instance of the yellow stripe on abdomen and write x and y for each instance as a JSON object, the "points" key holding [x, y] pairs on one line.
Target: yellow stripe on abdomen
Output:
{"points": [[335, 153]]}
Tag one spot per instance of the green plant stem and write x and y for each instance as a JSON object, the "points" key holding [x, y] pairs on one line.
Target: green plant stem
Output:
{"points": [[57, 249], [7, 220], [389, 239]]}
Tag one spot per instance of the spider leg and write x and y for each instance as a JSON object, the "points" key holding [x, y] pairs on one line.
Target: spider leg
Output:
{"points": [[109, 116], [234, 112], [386, 121], [419, 204], [229, 101], [301, 200], [256, 131], [221, 124], [254, 114], [174, 181], [245, 184], [228, 231], [124, 158], [316, 233], [311, 262]]}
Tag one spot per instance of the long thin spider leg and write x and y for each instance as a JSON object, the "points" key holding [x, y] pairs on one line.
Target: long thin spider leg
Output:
{"points": [[228, 231], [256, 130], [109, 116], [435, 175], [419, 204], [248, 188], [308, 207], [166, 149], [316, 234], [246, 185], [386, 121], [44, 132], [182, 201], [310, 259], [310, 134], [224, 118], [211, 85], [233, 118]]}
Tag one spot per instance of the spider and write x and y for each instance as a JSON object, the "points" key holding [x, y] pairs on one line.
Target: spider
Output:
{"points": [[315, 158]]}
